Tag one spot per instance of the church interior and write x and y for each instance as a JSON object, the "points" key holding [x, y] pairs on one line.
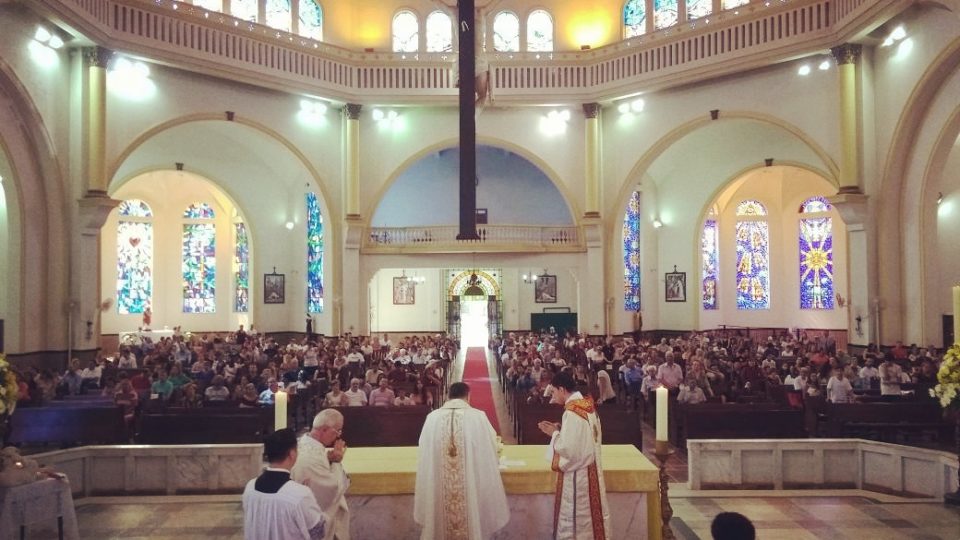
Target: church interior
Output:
{"points": [[768, 190]]}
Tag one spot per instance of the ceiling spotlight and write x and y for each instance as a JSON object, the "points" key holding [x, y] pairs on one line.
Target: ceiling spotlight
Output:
{"points": [[289, 225], [42, 35], [825, 65], [898, 33], [804, 70], [657, 224], [637, 105], [939, 198], [377, 115], [623, 108]]}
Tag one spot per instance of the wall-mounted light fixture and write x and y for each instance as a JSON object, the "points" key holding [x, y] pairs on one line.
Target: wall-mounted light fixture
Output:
{"points": [[657, 223]]}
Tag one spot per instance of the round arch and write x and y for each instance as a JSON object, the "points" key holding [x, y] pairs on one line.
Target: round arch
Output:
{"points": [[34, 187], [575, 212], [462, 281]]}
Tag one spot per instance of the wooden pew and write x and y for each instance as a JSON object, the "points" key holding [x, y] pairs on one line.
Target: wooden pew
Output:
{"points": [[383, 426], [619, 425], [901, 423], [67, 425], [198, 426], [735, 421]]}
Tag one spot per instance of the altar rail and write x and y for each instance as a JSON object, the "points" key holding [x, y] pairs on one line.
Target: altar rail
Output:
{"points": [[821, 464], [728, 42], [158, 469], [507, 238]]}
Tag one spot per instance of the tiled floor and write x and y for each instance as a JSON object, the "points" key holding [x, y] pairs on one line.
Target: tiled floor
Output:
{"points": [[776, 518]]}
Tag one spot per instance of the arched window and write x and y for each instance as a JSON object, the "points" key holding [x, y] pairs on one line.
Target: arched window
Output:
{"points": [[539, 31], [279, 15], [439, 32], [699, 8], [134, 257], [210, 5], [816, 254], [710, 258], [311, 19], [406, 32], [506, 32], [634, 18], [664, 13], [245, 9], [753, 256], [241, 268], [730, 4], [631, 254], [199, 262], [314, 255]]}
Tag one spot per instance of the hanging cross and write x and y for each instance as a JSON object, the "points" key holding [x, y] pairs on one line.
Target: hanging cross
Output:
{"points": [[468, 125]]}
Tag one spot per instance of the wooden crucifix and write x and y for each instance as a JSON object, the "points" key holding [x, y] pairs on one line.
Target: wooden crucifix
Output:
{"points": [[467, 62]]}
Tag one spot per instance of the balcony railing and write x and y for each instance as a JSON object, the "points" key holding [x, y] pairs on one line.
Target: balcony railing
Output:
{"points": [[505, 238], [184, 35]]}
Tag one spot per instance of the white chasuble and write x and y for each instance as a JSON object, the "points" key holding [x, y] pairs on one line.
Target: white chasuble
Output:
{"points": [[327, 481], [580, 506], [459, 493]]}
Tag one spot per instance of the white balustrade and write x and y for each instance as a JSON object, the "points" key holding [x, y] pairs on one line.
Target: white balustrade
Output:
{"points": [[492, 237]]}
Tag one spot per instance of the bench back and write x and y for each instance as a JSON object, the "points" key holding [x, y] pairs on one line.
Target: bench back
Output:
{"points": [[737, 421], [67, 425], [197, 426], [383, 426], [618, 425]]}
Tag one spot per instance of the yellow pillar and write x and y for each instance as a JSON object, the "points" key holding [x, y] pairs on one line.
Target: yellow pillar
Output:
{"points": [[352, 164], [591, 111], [96, 59], [848, 57]]}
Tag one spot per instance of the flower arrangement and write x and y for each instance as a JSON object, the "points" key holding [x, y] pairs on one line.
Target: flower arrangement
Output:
{"points": [[9, 390], [948, 389]]}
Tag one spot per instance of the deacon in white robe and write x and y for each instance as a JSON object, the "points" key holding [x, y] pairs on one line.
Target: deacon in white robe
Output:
{"points": [[580, 504], [459, 492], [319, 468], [274, 506]]}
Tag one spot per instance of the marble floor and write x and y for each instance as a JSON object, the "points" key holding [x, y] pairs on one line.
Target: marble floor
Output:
{"points": [[790, 516]]}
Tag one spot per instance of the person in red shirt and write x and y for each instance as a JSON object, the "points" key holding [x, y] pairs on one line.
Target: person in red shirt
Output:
{"points": [[140, 382], [899, 351]]}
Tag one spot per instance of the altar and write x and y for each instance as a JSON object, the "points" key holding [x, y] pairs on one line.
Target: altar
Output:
{"points": [[153, 335], [382, 483]]}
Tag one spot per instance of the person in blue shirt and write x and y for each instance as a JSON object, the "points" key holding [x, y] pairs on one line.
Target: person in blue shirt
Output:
{"points": [[267, 396]]}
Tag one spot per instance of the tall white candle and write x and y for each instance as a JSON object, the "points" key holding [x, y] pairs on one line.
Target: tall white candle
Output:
{"points": [[956, 313], [662, 413], [280, 410]]}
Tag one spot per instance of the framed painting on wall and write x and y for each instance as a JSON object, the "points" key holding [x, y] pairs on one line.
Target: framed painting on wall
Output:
{"points": [[404, 291], [274, 288], [676, 286], [545, 289]]}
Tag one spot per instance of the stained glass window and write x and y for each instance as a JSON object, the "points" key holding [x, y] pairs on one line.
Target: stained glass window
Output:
{"points": [[751, 208], [198, 211], [406, 32], [730, 4], [710, 255], [211, 5], [311, 19], [506, 32], [631, 254], [664, 13], [699, 8], [245, 9], [199, 268], [241, 269], [314, 255], [439, 32], [134, 257], [634, 18], [279, 15], [816, 256], [753, 265], [539, 31]]}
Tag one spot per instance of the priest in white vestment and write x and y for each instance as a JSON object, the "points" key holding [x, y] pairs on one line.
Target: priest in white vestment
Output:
{"points": [[459, 493], [319, 468], [580, 506], [274, 506]]}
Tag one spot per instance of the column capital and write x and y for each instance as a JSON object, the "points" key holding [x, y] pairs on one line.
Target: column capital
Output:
{"points": [[94, 208], [353, 111], [97, 56], [848, 53], [591, 110]]}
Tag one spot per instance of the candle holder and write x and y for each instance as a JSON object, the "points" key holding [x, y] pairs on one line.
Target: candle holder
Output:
{"points": [[663, 452]]}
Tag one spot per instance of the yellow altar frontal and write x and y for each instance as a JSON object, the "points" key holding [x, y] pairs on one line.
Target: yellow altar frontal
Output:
{"points": [[392, 471]]}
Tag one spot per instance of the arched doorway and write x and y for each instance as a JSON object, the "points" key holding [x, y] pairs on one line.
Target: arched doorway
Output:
{"points": [[474, 305]]}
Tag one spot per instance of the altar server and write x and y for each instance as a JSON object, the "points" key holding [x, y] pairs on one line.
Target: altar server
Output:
{"points": [[459, 492], [580, 509], [274, 506]]}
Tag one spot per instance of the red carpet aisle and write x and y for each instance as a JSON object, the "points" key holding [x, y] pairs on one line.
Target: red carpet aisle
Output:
{"points": [[475, 374]]}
